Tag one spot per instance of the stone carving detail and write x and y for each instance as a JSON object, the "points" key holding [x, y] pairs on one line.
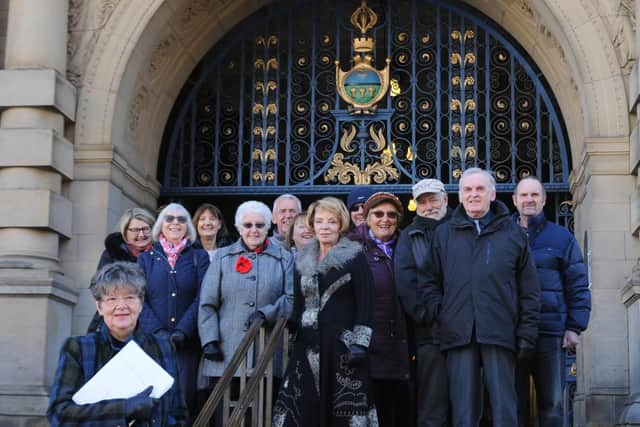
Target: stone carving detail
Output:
{"points": [[160, 56], [622, 26], [137, 107], [86, 19]]}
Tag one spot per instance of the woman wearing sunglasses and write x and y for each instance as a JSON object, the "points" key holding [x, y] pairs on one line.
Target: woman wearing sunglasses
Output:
{"points": [[250, 279], [388, 352], [174, 270]]}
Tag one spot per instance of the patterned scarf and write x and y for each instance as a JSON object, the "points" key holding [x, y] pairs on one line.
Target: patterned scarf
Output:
{"points": [[386, 247], [172, 250]]}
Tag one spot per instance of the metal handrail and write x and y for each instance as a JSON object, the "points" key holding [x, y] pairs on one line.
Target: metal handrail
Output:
{"points": [[258, 372], [225, 381]]}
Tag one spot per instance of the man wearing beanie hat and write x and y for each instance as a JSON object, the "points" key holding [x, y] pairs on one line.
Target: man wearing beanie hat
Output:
{"points": [[388, 355], [411, 254], [355, 204]]}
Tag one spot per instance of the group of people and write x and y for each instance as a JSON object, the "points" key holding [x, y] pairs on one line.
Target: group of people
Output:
{"points": [[476, 296]]}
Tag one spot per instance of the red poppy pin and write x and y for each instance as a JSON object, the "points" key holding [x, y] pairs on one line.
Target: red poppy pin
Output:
{"points": [[243, 265]]}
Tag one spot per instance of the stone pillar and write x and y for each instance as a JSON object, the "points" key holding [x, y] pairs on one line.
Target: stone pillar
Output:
{"points": [[601, 187], [36, 166], [630, 414]]}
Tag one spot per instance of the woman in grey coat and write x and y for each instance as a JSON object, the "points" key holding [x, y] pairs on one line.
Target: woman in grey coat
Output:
{"points": [[249, 279]]}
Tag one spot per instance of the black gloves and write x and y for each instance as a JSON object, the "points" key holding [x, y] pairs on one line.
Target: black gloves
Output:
{"points": [[212, 351], [254, 316], [178, 338], [526, 350], [357, 355], [140, 406]]}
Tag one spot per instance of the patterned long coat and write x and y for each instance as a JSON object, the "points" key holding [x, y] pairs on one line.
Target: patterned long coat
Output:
{"points": [[332, 308]]}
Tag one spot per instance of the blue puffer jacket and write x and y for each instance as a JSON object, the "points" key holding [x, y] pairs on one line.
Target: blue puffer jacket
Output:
{"points": [[172, 295], [565, 298]]}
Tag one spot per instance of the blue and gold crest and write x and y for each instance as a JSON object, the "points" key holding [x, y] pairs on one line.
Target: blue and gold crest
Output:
{"points": [[363, 86]]}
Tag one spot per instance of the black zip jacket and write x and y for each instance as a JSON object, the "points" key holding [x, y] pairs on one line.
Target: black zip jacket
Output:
{"points": [[481, 286], [412, 250]]}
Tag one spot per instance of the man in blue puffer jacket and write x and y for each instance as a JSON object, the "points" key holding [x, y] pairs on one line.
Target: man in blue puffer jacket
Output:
{"points": [[565, 304]]}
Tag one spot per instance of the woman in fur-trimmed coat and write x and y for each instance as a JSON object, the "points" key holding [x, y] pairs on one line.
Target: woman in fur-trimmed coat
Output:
{"points": [[326, 382]]}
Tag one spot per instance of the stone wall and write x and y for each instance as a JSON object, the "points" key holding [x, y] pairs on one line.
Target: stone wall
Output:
{"points": [[4, 8]]}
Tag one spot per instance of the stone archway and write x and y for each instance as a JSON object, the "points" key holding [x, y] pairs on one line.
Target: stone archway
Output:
{"points": [[130, 61]]}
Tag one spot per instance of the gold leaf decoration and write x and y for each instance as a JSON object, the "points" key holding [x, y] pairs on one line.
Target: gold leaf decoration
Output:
{"points": [[395, 88], [470, 152], [347, 137], [378, 137]]}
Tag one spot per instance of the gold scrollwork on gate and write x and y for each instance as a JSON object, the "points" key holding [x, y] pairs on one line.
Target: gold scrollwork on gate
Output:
{"points": [[378, 171]]}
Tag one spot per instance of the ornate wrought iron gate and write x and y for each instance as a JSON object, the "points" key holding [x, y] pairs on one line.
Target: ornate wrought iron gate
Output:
{"points": [[261, 114]]}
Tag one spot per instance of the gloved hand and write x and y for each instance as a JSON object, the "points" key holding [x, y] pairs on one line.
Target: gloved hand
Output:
{"points": [[526, 350], [212, 351], [357, 355], [254, 316], [140, 406], [178, 338]]}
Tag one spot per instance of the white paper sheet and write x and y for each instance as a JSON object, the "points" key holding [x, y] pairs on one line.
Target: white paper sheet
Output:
{"points": [[128, 373]]}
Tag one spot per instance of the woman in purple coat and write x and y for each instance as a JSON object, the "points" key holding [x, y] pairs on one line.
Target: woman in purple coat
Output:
{"points": [[388, 351]]}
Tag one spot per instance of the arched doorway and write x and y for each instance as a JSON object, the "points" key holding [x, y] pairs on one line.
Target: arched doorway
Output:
{"points": [[260, 115]]}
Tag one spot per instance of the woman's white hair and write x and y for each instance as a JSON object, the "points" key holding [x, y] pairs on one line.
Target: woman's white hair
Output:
{"points": [[253, 207], [180, 210]]}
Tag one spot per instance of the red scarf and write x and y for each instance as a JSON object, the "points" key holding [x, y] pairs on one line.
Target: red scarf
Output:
{"points": [[135, 252], [172, 250]]}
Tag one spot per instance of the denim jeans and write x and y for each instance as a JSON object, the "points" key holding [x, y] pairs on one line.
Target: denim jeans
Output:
{"points": [[547, 369]]}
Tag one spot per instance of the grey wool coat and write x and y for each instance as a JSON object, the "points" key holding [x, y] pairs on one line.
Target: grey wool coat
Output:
{"points": [[228, 297]]}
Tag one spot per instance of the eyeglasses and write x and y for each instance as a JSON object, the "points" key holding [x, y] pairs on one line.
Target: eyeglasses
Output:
{"points": [[380, 214], [128, 300], [143, 230], [171, 218], [258, 225], [356, 207]]}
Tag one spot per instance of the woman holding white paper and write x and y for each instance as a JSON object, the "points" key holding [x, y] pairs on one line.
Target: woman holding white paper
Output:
{"points": [[118, 289]]}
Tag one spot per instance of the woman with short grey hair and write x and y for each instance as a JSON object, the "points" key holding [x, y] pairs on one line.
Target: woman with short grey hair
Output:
{"points": [[250, 279], [118, 289]]}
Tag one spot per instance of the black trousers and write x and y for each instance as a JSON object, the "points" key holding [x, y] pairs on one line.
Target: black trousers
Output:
{"points": [[465, 366], [392, 402], [433, 386]]}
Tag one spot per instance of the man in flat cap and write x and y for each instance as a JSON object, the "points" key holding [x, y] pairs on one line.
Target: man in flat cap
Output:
{"points": [[481, 286], [412, 248]]}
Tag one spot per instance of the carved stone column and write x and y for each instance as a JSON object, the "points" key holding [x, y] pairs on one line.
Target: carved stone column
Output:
{"points": [[36, 165], [630, 415]]}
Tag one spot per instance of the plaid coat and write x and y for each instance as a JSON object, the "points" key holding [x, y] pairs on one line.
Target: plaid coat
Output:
{"points": [[81, 357]]}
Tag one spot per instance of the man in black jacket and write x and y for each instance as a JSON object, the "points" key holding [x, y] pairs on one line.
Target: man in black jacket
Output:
{"points": [[412, 250], [480, 285]]}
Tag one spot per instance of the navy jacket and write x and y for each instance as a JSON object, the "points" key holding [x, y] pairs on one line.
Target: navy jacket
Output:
{"points": [[565, 300], [172, 295], [481, 287]]}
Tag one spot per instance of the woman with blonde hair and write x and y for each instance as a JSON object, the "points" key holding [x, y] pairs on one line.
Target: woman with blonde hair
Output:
{"points": [[326, 382]]}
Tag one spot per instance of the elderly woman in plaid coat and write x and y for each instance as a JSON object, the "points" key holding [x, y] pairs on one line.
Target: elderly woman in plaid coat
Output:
{"points": [[118, 289]]}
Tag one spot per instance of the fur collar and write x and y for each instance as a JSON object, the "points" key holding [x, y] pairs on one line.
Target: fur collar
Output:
{"points": [[344, 251]]}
